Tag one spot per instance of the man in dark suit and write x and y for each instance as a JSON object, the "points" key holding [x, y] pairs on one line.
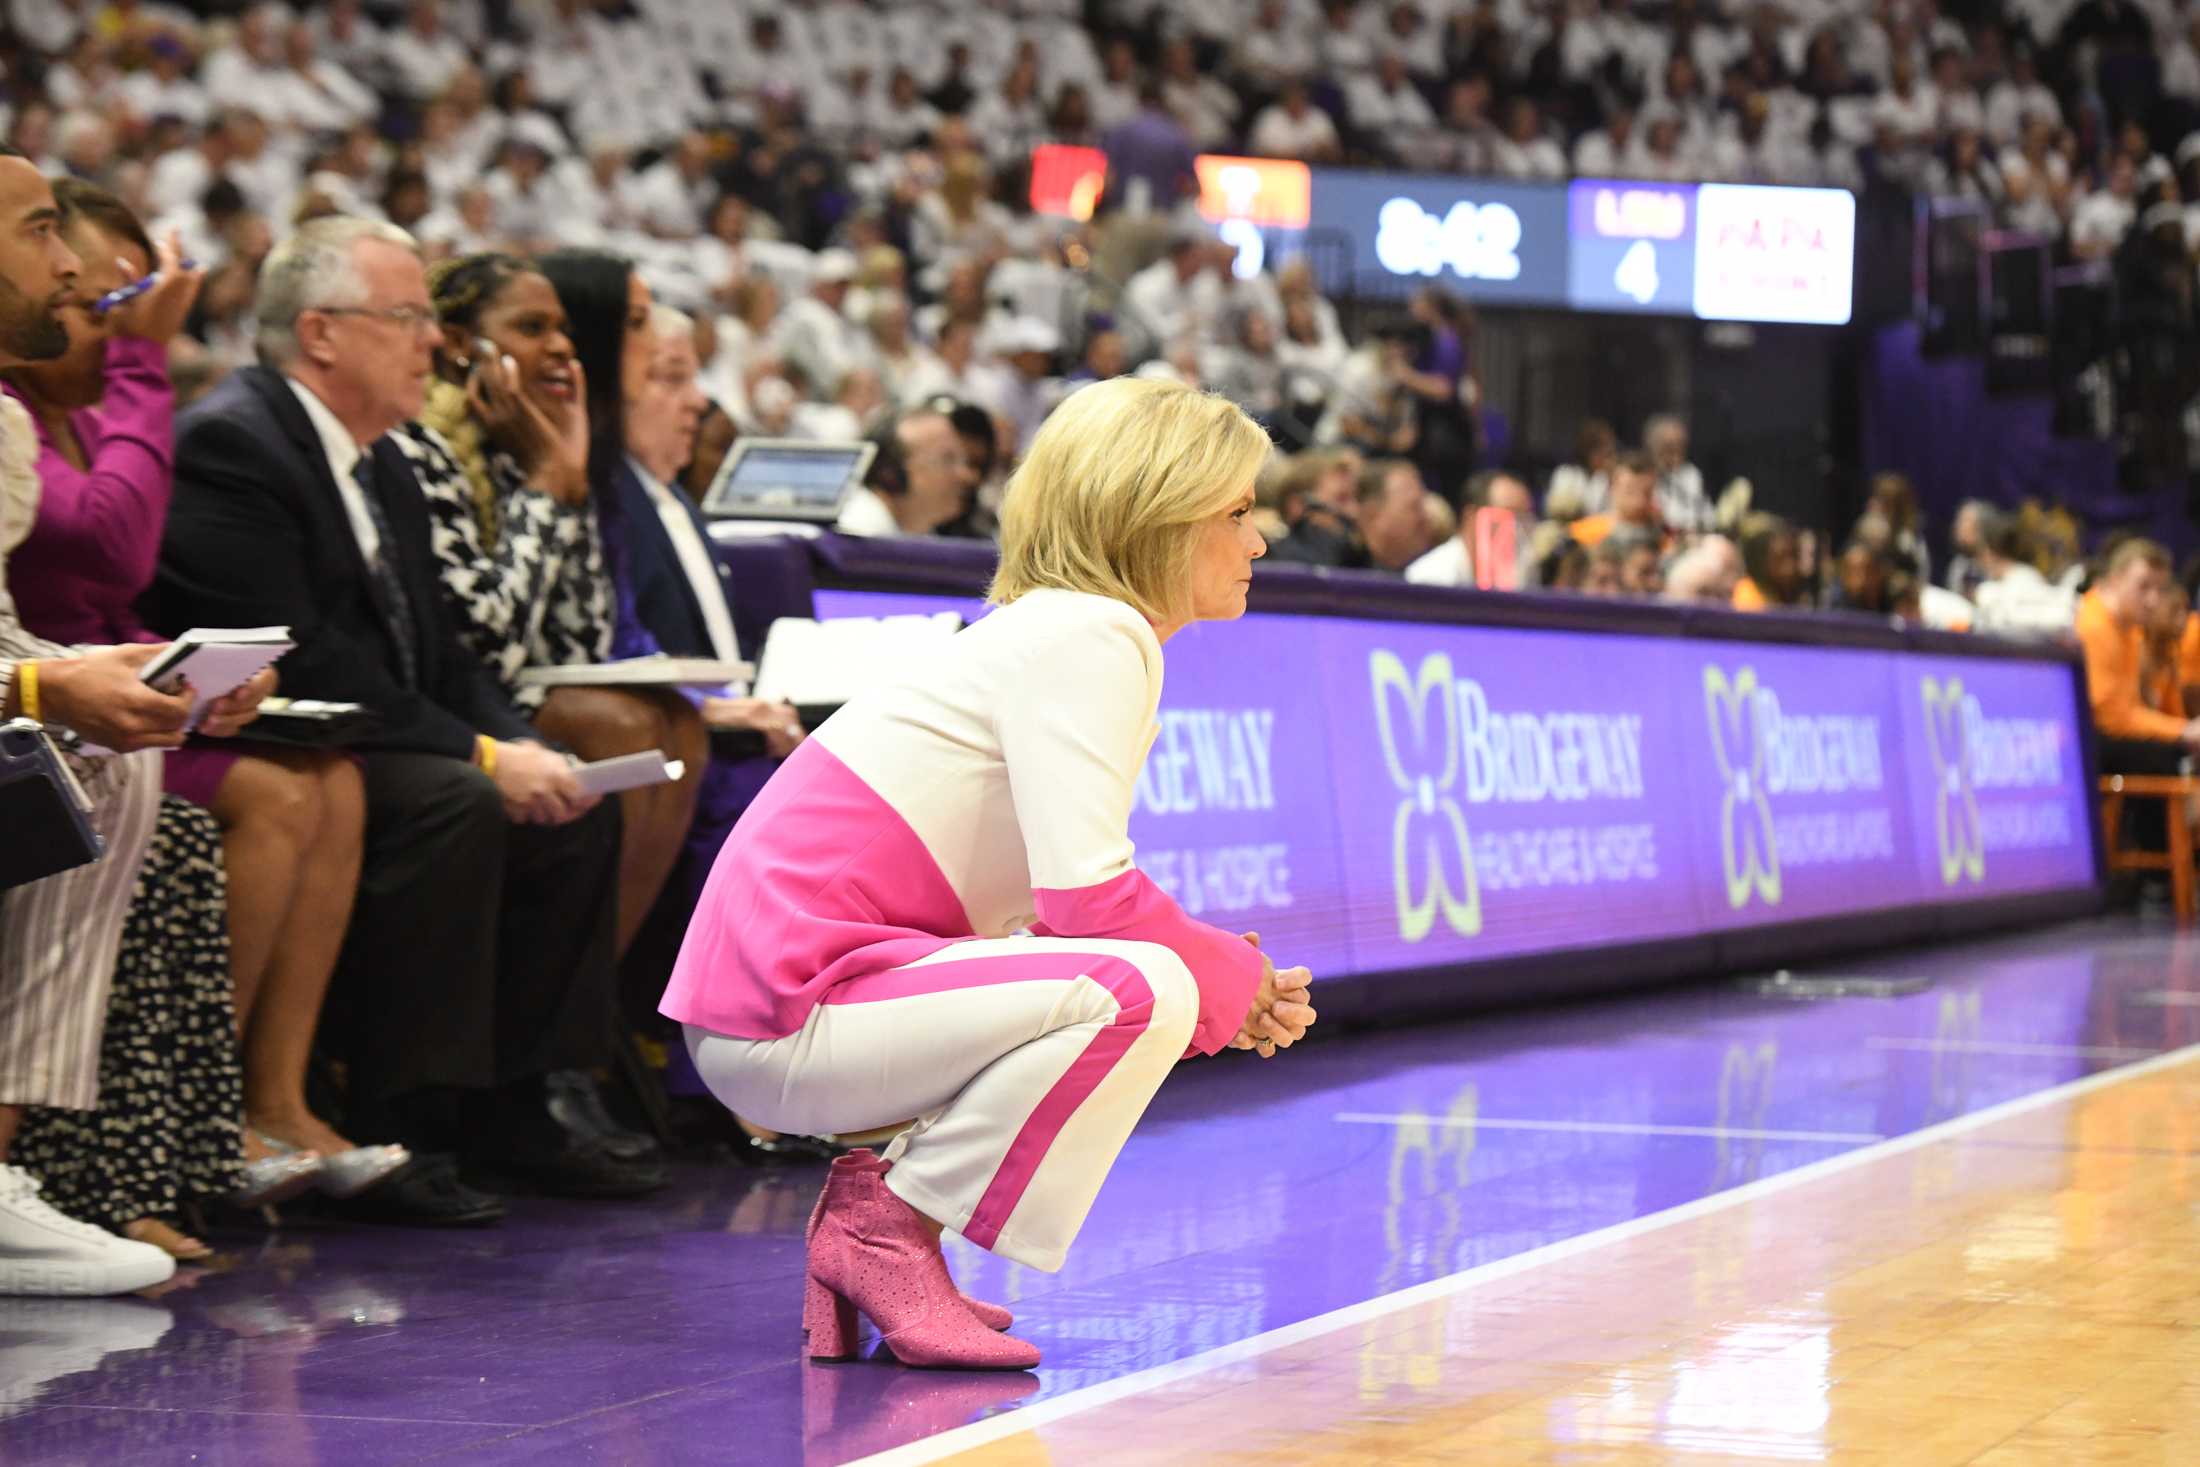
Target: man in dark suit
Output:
{"points": [[679, 604], [480, 952]]}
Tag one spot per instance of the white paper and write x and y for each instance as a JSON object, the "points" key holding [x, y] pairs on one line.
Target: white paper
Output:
{"points": [[825, 663], [643, 672], [628, 772]]}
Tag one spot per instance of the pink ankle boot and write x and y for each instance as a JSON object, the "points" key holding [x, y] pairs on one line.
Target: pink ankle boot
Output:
{"points": [[863, 1159], [872, 1253]]}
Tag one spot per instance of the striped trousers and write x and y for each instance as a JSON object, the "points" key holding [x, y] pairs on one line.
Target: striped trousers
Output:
{"points": [[58, 939], [1025, 1060]]}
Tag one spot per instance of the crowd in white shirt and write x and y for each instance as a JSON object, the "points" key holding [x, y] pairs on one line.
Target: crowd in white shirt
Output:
{"points": [[834, 186]]}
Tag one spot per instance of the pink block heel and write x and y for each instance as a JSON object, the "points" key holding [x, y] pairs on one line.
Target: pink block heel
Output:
{"points": [[870, 1252], [828, 1323], [863, 1159]]}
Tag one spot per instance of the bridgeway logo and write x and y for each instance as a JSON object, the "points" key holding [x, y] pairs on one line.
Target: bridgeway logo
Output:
{"points": [[1948, 719], [1748, 854], [1431, 863]]}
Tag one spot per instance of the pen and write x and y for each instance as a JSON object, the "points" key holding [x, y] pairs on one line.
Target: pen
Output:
{"points": [[124, 293]]}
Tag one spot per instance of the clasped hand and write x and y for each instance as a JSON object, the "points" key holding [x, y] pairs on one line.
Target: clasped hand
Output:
{"points": [[1281, 1012], [538, 786]]}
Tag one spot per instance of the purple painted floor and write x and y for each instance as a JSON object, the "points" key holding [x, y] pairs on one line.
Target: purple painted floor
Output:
{"points": [[1255, 1195]]}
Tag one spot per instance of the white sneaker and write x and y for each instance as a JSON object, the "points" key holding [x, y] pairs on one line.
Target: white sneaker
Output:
{"points": [[44, 1252]]}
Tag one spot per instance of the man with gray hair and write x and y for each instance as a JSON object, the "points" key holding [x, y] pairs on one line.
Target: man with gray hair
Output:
{"points": [[479, 956]]}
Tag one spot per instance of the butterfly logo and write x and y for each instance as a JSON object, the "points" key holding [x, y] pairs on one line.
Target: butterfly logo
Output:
{"points": [[1431, 862], [1749, 855], [1955, 801]]}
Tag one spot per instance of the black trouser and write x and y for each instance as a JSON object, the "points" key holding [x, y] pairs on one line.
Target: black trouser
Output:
{"points": [[2144, 826], [480, 953]]}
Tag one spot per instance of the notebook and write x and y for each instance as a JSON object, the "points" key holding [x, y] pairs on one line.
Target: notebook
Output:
{"points": [[216, 661]]}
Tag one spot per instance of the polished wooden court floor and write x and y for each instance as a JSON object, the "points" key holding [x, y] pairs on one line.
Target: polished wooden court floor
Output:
{"points": [[2020, 1289]]}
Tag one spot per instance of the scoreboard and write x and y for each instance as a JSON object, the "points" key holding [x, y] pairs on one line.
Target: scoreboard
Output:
{"points": [[1714, 251]]}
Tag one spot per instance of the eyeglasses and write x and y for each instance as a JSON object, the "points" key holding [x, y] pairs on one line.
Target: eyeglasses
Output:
{"points": [[411, 318]]}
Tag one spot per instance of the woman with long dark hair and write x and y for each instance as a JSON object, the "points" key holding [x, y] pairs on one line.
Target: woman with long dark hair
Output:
{"points": [[506, 454], [617, 345]]}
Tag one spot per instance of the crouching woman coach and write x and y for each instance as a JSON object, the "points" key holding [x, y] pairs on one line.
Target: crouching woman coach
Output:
{"points": [[851, 963]]}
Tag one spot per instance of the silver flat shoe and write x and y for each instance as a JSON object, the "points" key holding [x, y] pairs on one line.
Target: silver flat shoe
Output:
{"points": [[348, 1173], [276, 1178]]}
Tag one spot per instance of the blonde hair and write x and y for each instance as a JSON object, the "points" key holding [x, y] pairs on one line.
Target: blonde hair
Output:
{"points": [[1113, 491], [449, 411]]}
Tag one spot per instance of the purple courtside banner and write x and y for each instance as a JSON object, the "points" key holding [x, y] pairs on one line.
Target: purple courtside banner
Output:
{"points": [[1502, 791], [1997, 778], [1797, 796], [1377, 796]]}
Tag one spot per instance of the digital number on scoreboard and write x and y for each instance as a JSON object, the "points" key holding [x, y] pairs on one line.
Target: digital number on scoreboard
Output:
{"points": [[1632, 246]]}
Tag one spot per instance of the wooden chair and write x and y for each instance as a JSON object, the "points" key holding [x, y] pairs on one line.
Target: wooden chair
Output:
{"points": [[2173, 790]]}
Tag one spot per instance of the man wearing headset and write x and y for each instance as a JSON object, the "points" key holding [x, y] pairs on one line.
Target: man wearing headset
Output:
{"points": [[917, 481]]}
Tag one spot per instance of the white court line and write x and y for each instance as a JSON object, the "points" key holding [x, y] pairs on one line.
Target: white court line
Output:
{"points": [[1607, 1128], [2011, 1047], [1031, 1418]]}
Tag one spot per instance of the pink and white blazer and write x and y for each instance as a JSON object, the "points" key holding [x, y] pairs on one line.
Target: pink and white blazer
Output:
{"points": [[986, 793]]}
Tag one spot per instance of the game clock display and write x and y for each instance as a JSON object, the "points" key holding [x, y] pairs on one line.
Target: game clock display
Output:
{"points": [[1714, 251]]}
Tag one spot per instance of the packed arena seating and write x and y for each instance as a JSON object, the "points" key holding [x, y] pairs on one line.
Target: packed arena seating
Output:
{"points": [[835, 196]]}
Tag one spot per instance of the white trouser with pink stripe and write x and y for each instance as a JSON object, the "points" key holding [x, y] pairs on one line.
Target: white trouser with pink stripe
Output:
{"points": [[1025, 1062]]}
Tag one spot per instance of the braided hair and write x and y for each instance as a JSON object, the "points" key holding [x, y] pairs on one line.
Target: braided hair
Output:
{"points": [[462, 289]]}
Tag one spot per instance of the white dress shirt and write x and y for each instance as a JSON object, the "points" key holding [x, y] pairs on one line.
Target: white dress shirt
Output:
{"points": [[343, 457], [866, 513], [1449, 564], [696, 561]]}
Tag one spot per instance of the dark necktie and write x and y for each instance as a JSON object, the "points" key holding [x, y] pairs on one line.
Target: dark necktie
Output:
{"points": [[395, 607]]}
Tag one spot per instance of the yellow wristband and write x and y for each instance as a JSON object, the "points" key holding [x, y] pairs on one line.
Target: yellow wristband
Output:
{"points": [[485, 751], [26, 688]]}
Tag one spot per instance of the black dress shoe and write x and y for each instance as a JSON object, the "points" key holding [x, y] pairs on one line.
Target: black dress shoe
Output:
{"points": [[576, 1103], [581, 1168], [754, 1150], [425, 1193]]}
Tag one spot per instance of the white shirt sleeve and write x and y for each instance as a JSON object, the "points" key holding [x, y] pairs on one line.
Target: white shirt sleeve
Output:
{"points": [[1073, 738]]}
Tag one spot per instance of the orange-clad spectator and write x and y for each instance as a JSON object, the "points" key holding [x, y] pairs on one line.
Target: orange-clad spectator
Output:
{"points": [[2161, 659], [1634, 498], [1772, 556], [2188, 660], [2112, 622]]}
